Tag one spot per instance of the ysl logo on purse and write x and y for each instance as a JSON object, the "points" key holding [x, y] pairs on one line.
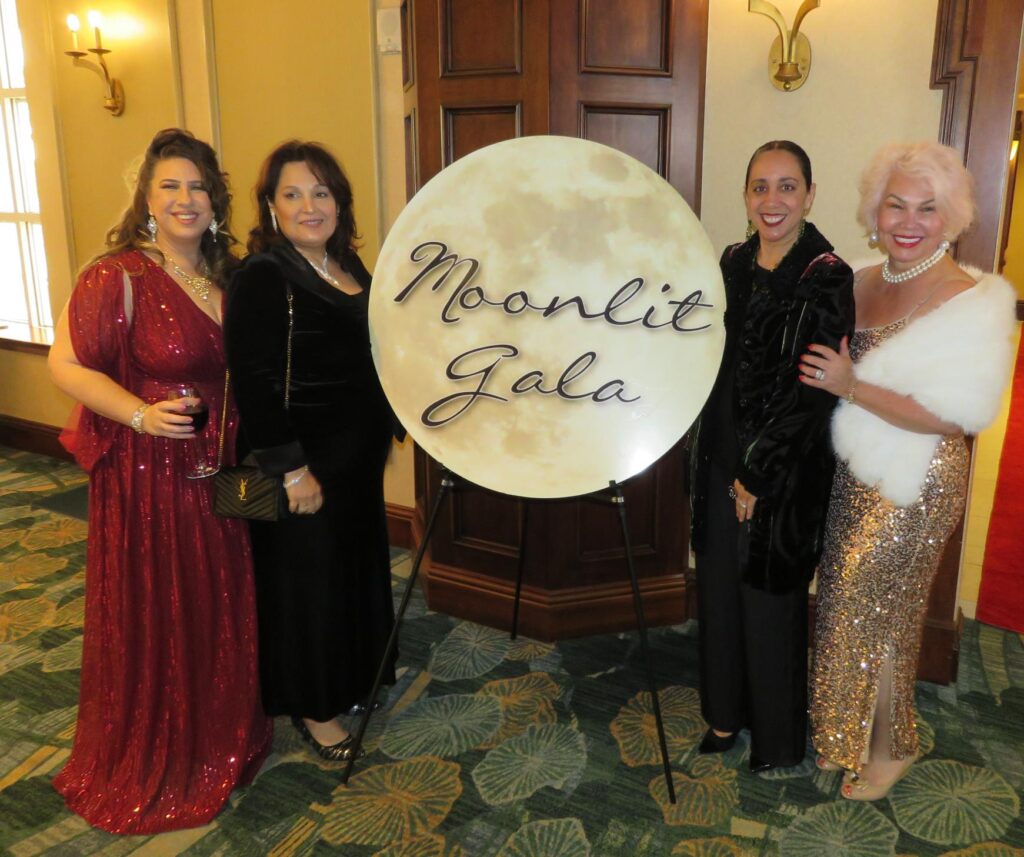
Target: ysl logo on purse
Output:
{"points": [[241, 490]]}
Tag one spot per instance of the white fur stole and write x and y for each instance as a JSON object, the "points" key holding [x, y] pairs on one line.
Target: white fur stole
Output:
{"points": [[955, 361]]}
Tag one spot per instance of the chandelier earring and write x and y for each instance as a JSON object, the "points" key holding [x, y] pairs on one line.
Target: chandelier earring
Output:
{"points": [[751, 230], [151, 228], [214, 229]]}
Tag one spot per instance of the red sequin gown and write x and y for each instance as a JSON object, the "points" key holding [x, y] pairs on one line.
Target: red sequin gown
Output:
{"points": [[169, 716]]}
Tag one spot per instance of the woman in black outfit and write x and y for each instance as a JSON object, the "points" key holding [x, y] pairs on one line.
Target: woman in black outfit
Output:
{"points": [[762, 466], [323, 581]]}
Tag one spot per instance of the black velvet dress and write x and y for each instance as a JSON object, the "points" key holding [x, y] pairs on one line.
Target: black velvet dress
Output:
{"points": [[323, 583], [761, 425]]}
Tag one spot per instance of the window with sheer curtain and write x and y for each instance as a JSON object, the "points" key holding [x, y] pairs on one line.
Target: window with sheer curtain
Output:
{"points": [[24, 295]]}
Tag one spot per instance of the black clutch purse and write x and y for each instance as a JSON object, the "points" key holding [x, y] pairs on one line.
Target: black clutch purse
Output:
{"points": [[245, 491]]}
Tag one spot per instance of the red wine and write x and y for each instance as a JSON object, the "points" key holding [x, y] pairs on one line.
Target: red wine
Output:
{"points": [[200, 414]]}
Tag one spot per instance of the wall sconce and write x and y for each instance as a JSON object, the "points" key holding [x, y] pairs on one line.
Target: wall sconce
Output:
{"points": [[789, 58], [113, 99]]}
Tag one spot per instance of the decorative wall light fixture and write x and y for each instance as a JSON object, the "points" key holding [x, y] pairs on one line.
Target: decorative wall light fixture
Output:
{"points": [[789, 58], [113, 98]]}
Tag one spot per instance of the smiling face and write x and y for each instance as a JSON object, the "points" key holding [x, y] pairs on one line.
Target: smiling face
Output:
{"points": [[179, 201], [910, 226], [307, 213], [777, 197]]}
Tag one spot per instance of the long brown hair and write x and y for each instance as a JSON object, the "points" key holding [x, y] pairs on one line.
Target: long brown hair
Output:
{"points": [[328, 172], [131, 233]]}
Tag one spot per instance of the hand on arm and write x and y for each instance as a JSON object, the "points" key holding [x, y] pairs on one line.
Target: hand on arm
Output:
{"points": [[745, 501], [103, 395], [840, 380]]}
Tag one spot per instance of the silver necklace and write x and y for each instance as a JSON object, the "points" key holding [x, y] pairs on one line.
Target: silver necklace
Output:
{"points": [[919, 268], [198, 284], [323, 272]]}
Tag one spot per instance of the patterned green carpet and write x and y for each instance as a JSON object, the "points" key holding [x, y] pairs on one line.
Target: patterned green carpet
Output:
{"points": [[494, 747]]}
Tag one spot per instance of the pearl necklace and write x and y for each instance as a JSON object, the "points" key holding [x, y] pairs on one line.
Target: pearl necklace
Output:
{"points": [[919, 268], [321, 269], [198, 284]]}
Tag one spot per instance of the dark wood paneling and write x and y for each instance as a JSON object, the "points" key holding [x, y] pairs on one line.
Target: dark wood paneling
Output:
{"points": [[481, 37], [408, 43], [626, 38], [974, 63], [32, 437], [637, 94], [528, 89], [639, 132], [412, 182], [469, 128]]}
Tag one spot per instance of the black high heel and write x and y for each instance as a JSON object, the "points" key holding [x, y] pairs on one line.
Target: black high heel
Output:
{"points": [[712, 743], [340, 752]]}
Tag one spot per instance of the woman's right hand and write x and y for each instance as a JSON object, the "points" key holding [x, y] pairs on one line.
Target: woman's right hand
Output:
{"points": [[305, 496], [165, 419]]}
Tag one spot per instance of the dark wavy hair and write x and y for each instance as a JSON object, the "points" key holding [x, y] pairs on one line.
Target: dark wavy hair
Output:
{"points": [[131, 233], [328, 172], [782, 146]]}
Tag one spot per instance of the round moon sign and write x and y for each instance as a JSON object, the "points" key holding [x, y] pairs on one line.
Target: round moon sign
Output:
{"points": [[547, 317]]}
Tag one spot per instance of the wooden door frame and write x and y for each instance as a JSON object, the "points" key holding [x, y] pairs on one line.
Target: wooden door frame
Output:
{"points": [[975, 64]]}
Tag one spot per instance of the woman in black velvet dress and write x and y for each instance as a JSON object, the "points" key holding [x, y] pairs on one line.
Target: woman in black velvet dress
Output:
{"points": [[323, 580], [762, 466]]}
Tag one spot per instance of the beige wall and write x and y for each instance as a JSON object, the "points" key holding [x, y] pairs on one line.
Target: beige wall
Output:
{"points": [[868, 85], [94, 149]]}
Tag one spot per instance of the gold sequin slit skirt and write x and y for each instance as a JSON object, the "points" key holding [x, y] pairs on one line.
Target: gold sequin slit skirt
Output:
{"points": [[875, 576]]}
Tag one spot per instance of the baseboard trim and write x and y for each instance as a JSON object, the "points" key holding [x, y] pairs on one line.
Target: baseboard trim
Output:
{"points": [[32, 437], [400, 520], [553, 615]]}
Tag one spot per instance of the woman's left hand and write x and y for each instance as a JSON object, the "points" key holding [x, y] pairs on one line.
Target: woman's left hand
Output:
{"points": [[745, 501], [828, 370]]}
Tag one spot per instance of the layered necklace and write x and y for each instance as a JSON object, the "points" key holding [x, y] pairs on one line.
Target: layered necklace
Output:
{"points": [[919, 268], [321, 269], [198, 284]]}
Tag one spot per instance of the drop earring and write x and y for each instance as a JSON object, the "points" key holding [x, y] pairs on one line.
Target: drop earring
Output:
{"points": [[873, 238], [151, 228], [214, 229], [273, 219], [751, 230]]}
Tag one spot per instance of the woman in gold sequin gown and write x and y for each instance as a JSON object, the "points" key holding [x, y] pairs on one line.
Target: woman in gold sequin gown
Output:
{"points": [[928, 361]]}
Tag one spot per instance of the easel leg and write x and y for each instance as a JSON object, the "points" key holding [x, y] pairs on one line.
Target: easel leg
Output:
{"points": [[447, 481], [521, 568], [620, 502]]}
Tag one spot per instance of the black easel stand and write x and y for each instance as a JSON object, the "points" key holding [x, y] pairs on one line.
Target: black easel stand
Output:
{"points": [[447, 481], [618, 500]]}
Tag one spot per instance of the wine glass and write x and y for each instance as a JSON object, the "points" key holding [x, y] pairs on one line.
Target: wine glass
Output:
{"points": [[196, 408]]}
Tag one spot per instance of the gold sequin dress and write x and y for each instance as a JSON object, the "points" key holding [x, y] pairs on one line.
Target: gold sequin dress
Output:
{"points": [[875, 576]]}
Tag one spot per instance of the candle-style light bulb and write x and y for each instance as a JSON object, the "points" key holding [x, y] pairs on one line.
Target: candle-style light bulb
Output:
{"points": [[74, 25], [96, 21]]}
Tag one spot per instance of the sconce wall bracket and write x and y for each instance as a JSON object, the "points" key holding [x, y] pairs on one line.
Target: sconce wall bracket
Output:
{"points": [[789, 58]]}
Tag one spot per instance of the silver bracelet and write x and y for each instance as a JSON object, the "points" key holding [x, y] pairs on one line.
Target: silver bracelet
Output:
{"points": [[295, 480], [136, 421]]}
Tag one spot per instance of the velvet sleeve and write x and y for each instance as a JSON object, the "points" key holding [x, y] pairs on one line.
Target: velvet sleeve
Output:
{"points": [[256, 339], [98, 327], [794, 411]]}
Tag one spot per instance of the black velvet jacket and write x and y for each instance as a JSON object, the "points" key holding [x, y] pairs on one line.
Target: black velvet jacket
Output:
{"points": [[337, 409], [782, 425]]}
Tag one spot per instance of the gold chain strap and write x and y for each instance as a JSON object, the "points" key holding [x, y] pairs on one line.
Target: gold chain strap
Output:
{"points": [[287, 381]]}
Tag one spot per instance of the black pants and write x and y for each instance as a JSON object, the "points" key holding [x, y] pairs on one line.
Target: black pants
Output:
{"points": [[753, 644]]}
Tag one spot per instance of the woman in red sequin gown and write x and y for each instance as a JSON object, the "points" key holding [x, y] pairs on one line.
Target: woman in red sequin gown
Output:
{"points": [[169, 717]]}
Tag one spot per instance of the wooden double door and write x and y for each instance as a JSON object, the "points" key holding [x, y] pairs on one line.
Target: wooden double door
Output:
{"points": [[630, 76]]}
